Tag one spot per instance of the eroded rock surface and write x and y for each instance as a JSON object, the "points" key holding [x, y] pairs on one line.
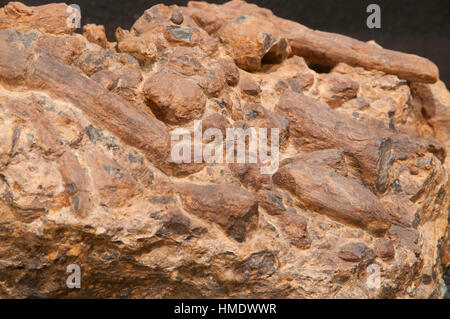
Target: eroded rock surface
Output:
{"points": [[86, 175]]}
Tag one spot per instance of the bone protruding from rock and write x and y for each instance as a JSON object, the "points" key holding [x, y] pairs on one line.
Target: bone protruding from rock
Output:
{"points": [[336, 196], [318, 47], [37, 70], [315, 126], [329, 49]]}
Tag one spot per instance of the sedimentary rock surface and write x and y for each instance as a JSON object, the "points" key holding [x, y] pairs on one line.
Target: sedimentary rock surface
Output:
{"points": [[87, 176]]}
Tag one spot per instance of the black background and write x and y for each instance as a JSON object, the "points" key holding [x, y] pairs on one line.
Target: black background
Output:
{"points": [[414, 26]]}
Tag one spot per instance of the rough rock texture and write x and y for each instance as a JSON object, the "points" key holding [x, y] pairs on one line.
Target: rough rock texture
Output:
{"points": [[86, 177]]}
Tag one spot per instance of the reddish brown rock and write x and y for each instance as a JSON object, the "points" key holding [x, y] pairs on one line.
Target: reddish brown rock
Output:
{"points": [[336, 90], [143, 50], [186, 61], [128, 81], [231, 72], [333, 159], [83, 92], [50, 18], [76, 183], [248, 85], [175, 223], [249, 41], [91, 62], [250, 175], [96, 34], [384, 248], [87, 177], [300, 82], [111, 180], [278, 52], [434, 103], [63, 47], [258, 117], [316, 126], [322, 48], [213, 80], [334, 195], [405, 236], [193, 62], [338, 48], [208, 21], [215, 121], [294, 226], [173, 98], [177, 17], [106, 78], [157, 20], [272, 201], [153, 17], [355, 252], [232, 208]]}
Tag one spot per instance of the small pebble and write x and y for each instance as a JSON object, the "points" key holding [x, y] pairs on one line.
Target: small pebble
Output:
{"points": [[414, 170], [177, 17]]}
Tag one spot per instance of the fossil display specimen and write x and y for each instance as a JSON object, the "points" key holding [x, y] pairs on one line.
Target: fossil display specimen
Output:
{"points": [[87, 178]]}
